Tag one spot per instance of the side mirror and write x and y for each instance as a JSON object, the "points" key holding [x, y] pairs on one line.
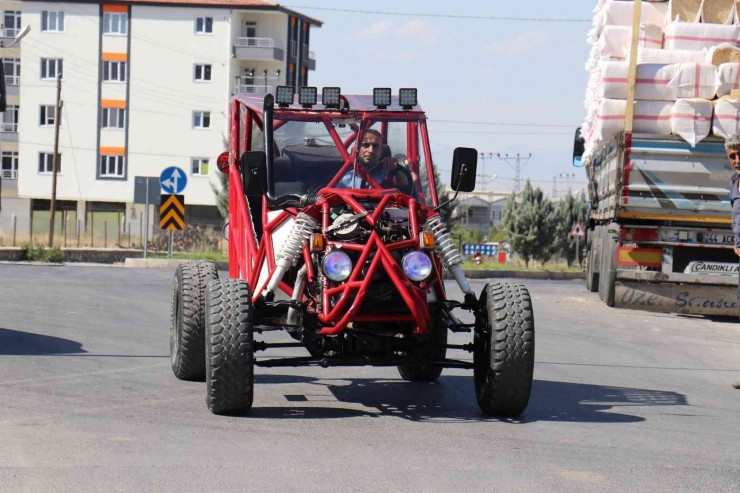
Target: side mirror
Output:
{"points": [[464, 169], [579, 145], [3, 93], [253, 165]]}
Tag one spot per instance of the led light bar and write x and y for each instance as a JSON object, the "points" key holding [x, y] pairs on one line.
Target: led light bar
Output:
{"points": [[407, 98], [284, 96], [330, 97], [382, 97], [307, 96]]}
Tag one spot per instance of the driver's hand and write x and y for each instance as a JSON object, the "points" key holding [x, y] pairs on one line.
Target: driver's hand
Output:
{"points": [[389, 163], [737, 251]]}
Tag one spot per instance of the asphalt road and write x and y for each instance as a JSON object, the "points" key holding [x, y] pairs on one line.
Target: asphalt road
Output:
{"points": [[623, 401]]}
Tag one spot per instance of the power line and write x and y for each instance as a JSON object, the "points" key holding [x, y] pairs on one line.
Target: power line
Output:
{"points": [[507, 124], [442, 16]]}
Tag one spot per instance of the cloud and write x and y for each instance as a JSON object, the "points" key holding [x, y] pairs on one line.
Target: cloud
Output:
{"points": [[524, 42], [376, 30], [417, 29], [409, 56]]}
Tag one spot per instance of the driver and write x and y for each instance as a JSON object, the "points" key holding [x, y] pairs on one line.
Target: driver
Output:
{"points": [[379, 170]]}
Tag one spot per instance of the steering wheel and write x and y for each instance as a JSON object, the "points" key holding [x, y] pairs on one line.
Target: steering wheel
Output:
{"points": [[407, 189]]}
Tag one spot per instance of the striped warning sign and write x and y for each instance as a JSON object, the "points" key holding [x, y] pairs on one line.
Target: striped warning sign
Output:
{"points": [[172, 212]]}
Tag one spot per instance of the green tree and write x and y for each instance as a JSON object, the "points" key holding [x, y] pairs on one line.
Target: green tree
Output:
{"points": [[568, 212], [529, 223], [442, 194], [222, 194]]}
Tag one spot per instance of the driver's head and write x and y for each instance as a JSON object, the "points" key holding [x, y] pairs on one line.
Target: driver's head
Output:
{"points": [[371, 148]]}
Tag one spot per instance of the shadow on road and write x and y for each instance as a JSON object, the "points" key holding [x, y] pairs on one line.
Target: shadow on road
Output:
{"points": [[17, 343], [452, 399]]}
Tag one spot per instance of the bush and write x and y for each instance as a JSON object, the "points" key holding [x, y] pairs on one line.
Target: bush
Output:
{"points": [[55, 255], [38, 253]]}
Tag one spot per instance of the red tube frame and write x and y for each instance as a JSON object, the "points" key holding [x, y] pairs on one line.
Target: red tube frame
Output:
{"points": [[247, 259]]}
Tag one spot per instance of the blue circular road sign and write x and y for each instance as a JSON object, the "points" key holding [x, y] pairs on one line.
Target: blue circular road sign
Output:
{"points": [[173, 180]]}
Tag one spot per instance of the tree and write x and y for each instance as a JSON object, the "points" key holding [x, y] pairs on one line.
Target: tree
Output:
{"points": [[528, 224], [569, 211], [222, 194], [442, 194]]}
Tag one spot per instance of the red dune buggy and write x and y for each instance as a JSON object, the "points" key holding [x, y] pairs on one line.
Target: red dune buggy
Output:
{"points": [[347, 256]]}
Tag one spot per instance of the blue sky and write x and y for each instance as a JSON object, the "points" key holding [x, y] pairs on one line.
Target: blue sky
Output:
{"points": [[471, 70]]}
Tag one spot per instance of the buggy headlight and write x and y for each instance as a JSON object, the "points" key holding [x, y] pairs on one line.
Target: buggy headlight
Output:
{"points": [[417, 266], [337, 266]]}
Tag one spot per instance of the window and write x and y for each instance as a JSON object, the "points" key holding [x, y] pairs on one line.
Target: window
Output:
{"points": [[51, 67], [112, 166], [204, 25], [12, 68], [114, 118], [12, 23], [200, 167], [115, 23], [201, 119], [52, 21], [46, 163], [203, 73], [114, 71], [47, 115], [9, 165], [10, 119], [250, 29]]}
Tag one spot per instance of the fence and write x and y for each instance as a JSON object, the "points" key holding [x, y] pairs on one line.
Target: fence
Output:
{"points": [[110, 230]]}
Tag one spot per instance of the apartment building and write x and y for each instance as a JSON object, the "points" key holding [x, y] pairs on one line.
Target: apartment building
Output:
{"points": [[145, 86]]}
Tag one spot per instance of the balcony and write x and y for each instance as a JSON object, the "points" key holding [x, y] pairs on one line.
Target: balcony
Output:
{"points": [[258, 49], [253, 88], [12, 85], [9, 174], [7, 36], [308, 58], [6, 127]]}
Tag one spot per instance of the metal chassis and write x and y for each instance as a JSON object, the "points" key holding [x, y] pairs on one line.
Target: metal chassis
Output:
{"points": [[247, 258]]}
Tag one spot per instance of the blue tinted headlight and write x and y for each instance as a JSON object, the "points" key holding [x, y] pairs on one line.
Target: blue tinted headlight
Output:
{"points": [[337, 266], [417, 265]]}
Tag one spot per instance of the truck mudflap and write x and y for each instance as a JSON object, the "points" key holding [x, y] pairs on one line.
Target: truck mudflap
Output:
{"points": [[677, 293]]}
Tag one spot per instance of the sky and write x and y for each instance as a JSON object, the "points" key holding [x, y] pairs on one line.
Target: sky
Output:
{"points": [[513, 72]]}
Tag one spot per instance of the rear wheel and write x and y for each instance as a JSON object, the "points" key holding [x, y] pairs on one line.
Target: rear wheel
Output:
{"points": [[187, 319], [503, 350], [608, 274], [229, 347], [429, 372], [592, 276]]}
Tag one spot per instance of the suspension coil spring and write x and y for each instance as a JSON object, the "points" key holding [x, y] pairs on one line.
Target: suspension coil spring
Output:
{"points": [[292, 249], [443, 243]]}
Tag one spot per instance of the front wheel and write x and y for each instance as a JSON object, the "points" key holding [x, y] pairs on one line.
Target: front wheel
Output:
{"points": [[429, 372], [229, 347], [503, 350]]}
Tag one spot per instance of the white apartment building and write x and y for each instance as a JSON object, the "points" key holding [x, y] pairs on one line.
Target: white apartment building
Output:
{"points": [[145, 86]]}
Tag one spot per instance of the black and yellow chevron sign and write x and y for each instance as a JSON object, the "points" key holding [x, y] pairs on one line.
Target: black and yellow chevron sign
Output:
{"points": [[172, 212]]}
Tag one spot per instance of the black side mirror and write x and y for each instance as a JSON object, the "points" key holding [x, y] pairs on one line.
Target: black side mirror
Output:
{"points": [[579, 146], [253, 165], [3, 93], [464, 169]]}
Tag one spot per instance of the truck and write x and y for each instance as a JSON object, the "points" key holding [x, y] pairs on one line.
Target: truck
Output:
{"points": [[658, 231]]}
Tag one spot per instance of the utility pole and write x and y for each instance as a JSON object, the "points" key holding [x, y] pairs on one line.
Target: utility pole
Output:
{"points": [[567, 177], [483, 175], [519, 162], [55, 159], [554, 186]]}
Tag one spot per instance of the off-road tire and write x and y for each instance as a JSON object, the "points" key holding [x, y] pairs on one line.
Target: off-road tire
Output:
{"points": [[503, 353], [429, 372], [229, 347], [187, 319]]}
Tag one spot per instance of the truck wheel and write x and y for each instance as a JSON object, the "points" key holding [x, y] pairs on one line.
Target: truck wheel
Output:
{"points": [[503, 350], [592, 277], [608, 274], [430, 372], [187, 319], [229, 349]]}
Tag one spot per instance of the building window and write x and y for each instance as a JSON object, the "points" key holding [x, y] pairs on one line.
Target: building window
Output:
{"points": [[52, 21], [202, 73], [47, 115], [201, 119], [12, 68], [114, 71], [112, 166], [115, 23], [9, 165], [46, 163], [51, 67], [12, 19], [204, 25], [10, 119], [114, 118], [200, 167]]}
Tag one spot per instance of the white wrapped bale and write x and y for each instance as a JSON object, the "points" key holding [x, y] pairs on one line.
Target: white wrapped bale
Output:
{"points": [[726, 120], [691, 119], [695, 80], [619, 13], [690, 36], [650, 55], [652, 82], [728, 75], [650, 117], [615, 40]]}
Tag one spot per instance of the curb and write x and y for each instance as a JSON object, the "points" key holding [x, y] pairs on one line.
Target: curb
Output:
{"points": [[522, 274], [166, 263]]}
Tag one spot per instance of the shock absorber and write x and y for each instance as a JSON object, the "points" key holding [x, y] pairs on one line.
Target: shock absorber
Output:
{"points": [[290, 251], [447, 252]]}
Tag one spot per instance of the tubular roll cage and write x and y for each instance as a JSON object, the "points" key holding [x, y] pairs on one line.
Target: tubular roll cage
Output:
{"points": [[248, 259]]}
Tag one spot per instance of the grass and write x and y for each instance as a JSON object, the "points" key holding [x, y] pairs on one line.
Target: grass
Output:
{"points": [[518, 265]]}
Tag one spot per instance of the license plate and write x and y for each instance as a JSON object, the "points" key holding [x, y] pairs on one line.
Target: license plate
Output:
{"points": [[719, 239]]}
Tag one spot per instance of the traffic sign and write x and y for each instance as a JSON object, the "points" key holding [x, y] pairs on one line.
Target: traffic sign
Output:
{"points": [[172, 212], [144, 184], [173, 180], [577, 231]]}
